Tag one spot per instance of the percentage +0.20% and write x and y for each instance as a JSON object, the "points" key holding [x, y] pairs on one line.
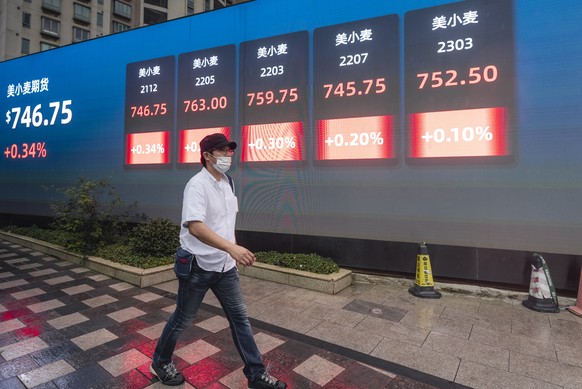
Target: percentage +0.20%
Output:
{"points": [[457, 135], [354, 139], [278, 143], [34, 150], [153, 148]]}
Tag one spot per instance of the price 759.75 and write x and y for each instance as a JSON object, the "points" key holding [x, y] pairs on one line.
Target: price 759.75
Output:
{"points": [[271, 97]]}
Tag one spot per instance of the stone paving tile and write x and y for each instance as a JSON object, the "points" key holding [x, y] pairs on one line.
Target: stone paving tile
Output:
{"points": [[318, 370], [77, 289], [153, 332], [513, 342], [44, 272], [59, 280], [394, 331], [45, 306], [99, 301], [266, 342], [93, 339], [196, 351], [27, 293], [30, 266], [480, 376], [418, 358], [214, 324], [126, 314], [16, 261], [121, 286], [24, 347], [346, 337], [487, 355], [46, 373], [99, 277], [79, 270], [10, 325], [546, 371], [12, 284], [68, 320], [147, 297], [124, 362]]}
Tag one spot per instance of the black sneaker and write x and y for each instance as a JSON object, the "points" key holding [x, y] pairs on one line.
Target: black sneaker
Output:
{"points": [[265, 381], [168, 374]]}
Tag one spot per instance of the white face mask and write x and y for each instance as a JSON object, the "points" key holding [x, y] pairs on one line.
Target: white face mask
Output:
{"points": [[222, 164]]}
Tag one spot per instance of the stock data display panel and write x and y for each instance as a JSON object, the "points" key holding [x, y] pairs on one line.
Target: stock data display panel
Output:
{"points": [[206, 98], [149, 111], [356, 89], [34, 110], [273, 98], [459, 82]]}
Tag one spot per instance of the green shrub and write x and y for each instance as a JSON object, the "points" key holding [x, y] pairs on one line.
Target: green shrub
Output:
{"points": [[91, 214], [308, 262], [155, 237], [123, 254]]}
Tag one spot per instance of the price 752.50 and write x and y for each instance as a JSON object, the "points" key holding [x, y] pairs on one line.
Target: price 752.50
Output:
{"points": [[36, 118]]}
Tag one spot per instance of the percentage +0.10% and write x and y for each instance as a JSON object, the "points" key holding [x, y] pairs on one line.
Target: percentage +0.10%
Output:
{"points": [[354, 139], [34, 150], [153, 148], [457, 135], [277, 143]]}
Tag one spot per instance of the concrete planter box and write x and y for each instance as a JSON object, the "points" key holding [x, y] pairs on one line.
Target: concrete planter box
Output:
{"points": [[325, 283], [129, 274]]}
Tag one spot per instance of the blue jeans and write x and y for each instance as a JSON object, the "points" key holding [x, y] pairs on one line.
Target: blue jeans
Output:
{"points": [[226, 287]]}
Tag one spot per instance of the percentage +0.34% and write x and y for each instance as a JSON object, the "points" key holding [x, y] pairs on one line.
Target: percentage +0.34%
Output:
{"points": [[153, 148], [34, 150]]}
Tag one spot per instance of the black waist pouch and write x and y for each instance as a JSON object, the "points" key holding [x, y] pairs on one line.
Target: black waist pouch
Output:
{"points": [[183, 263]]}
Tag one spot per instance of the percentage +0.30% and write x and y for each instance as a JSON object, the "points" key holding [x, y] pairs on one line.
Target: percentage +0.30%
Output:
{"points": [[34, 150], [278, 143], [354, 139], [457, 135]]}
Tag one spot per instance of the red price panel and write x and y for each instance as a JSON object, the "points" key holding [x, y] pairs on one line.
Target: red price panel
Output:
{"points": [[459, 81], [356, 89], [463, 133], [206, 98], [273, 98], [147, 148], [149, 111]]}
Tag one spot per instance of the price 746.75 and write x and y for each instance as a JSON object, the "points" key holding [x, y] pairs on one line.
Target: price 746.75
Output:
{"points": [[36, 118]]}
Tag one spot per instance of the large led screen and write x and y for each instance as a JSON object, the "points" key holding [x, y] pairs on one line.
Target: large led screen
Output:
{"points": [[455, 123]]}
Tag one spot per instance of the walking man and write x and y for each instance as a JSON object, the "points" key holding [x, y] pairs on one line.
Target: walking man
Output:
{"points": [[209, 253]]}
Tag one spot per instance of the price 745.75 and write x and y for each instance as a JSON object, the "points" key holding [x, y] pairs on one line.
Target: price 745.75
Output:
{"points": [[351, 88], [26, 117]]}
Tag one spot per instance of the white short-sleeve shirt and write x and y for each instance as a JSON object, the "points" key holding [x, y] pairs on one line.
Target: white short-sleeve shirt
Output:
{"points": [[213, 203]]}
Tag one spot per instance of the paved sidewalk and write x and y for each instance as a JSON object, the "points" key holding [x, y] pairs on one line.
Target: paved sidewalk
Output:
{"points": [[64, 326]]}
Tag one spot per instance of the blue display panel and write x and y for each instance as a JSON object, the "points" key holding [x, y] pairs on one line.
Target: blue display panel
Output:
{"points": [[474, 105]]}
